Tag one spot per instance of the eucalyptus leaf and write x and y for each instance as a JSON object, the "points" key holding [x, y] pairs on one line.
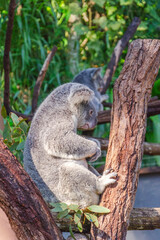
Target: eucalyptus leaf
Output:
{"points": [[73, 207], [15, 118], [1, 132], [92, 218], [7, 132], [3, 112], [79, 225], [77, 218], [13, 146], [100, 3], [59, 207], [20, 146], [24, 126], [63, 214], [98, 209]]}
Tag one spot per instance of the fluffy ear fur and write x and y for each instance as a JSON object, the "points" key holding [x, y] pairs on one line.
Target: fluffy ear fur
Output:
{"points": [[96, 72], [79, 93]]}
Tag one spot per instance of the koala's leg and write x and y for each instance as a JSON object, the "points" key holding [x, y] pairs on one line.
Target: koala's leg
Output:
{"points": [[77, 185]]}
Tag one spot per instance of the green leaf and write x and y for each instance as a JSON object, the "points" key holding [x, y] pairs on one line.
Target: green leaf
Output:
{"points": [[7, 132], [1, 132], [102, 22], [73, 207], [15, 118], [79, 225], [114, 25], [92, 218], [17, 132], [63, 213], [75, 8], [70, 217], [111, 10], [20, 146], [98, 209], [126, 2], [100, 3], [3, 112], [13, 146], [77, 218], [80, 28], [24, 126], [59, 207]]}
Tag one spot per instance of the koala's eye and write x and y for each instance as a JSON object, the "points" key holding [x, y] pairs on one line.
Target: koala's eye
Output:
{"points": [[91, 112]]}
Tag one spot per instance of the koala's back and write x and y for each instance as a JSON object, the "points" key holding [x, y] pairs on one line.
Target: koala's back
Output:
{"points": [[35, 157]]}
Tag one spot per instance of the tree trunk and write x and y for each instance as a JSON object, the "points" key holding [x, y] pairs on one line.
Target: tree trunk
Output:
{"points": [[1, 121], [20, 199], [132, 91]]}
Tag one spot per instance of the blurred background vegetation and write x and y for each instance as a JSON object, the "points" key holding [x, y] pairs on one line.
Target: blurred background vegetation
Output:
{"points": [[85, 33]]}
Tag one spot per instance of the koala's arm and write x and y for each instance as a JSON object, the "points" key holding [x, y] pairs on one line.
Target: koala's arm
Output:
{"points": [[93, 170], [68, 144]]}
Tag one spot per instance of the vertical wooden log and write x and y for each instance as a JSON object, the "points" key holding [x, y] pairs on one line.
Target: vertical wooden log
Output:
{"points": [[1, 121], [21, 200], [132, 91]]}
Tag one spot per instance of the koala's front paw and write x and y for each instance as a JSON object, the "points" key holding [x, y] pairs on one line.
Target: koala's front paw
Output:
{"points": [[109, 178], [95, 156]]}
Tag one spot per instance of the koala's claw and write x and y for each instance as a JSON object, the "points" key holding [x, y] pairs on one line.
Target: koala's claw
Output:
{"points": [[107, 171], [109, 177], [95, 156]]}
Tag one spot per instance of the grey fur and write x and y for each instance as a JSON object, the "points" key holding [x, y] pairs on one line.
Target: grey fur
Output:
{"points": [[55, 156], [92, 78]]}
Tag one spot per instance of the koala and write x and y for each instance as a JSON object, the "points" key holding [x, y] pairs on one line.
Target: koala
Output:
{"points": [[92, 78], [56, 157]]}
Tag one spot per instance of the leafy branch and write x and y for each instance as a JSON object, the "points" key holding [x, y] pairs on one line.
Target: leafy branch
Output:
{"points": [[77, 215]]}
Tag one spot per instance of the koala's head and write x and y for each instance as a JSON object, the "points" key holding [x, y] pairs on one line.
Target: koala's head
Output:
{"points": [[91, 77], [81, 105], [97, 78]]}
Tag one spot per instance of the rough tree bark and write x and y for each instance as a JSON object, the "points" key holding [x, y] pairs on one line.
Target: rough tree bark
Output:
{"points": [[153, 109], [131, 94], [1, 121], [20, 199]]}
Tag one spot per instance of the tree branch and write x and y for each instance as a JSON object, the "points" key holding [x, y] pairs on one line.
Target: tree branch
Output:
{"points": [[6, 61], [20, 199], [41, 77], [153, 109], [122, 43], [131, 95], [140, 219], [148, 148]]}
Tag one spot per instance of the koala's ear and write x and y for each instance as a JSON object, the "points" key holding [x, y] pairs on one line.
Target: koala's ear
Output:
{"points": [[80, 93], [95, 73]]}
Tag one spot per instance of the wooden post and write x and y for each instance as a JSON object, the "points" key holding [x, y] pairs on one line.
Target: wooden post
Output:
{"points": [[132, 92]]}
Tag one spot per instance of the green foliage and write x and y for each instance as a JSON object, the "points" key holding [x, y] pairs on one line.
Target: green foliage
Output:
{"points": [[97, 25], [152, 135], [78, 215], [14, 133]]}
